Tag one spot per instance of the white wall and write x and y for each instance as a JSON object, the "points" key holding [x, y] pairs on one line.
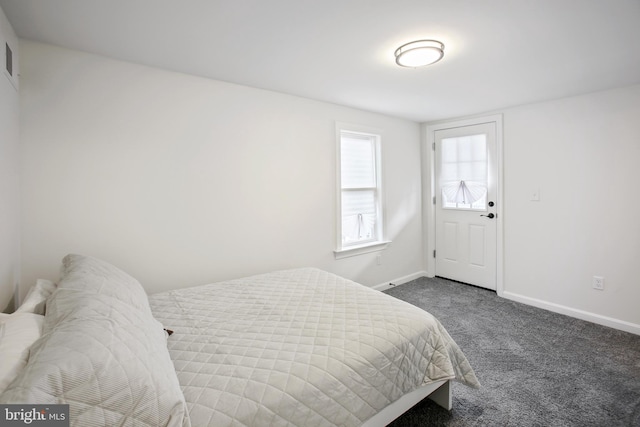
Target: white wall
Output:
{"points": [[181, 180], [9, 171], [583, 153]]}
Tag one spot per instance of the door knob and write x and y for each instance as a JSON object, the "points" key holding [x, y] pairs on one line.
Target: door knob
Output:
{"points": [[490, 216]]}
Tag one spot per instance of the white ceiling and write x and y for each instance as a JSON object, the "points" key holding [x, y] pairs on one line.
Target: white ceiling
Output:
{"points": [[498, 53]]}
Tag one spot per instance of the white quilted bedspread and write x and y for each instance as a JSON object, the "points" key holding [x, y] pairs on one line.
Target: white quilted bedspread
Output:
{"points": [[300, 347]]}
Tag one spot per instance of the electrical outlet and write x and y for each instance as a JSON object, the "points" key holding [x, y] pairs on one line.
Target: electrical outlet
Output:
{"points": [[598, 283]]}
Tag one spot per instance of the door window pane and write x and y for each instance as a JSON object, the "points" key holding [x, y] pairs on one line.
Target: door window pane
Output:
{"points": [[463, 177]]}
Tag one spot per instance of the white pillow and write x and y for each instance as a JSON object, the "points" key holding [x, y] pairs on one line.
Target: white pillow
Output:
{"points": [[37, 296], [87, 274], [18, 332], [102, 352]]}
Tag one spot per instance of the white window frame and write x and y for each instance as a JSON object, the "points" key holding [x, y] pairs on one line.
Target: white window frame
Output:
{"points": [[379, 242]]}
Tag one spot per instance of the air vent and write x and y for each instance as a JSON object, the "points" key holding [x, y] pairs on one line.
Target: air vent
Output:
{"points": [[9, 59], [10, 71]]}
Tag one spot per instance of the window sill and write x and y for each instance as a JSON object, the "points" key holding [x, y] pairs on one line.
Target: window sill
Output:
{"points": [[363, 249]]}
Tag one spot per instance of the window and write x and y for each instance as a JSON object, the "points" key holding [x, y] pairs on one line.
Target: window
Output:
{"points": [[360, 221], [463, 173]]}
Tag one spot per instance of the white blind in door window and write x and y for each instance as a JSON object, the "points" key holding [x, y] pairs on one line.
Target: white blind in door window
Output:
{"points": [[463, 174]]}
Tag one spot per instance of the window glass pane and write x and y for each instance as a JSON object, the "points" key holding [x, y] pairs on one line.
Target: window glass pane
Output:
{"points": [[479, 147], [449, 155], [463, 173], [359, 215], [464, 149], [358, 165]]}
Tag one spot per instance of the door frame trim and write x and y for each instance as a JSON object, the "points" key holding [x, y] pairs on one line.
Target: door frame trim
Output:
{"points": [[428, 185]]}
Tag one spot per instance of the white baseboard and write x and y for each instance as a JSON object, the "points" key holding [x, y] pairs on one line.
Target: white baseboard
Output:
{"points": [[400, 281], [573, 312], [545, 305]]}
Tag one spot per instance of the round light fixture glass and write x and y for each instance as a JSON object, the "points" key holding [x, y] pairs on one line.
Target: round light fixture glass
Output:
{"points": [[419, 53]]}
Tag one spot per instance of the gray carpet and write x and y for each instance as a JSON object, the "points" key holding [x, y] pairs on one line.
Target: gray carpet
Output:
{"points": [[537, 368]]}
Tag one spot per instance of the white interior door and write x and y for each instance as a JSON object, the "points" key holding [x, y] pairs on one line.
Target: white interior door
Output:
{"points": [[465, 204]]}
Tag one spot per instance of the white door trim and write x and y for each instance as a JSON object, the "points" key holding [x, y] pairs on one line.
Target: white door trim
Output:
{"points": [[428, 185]]}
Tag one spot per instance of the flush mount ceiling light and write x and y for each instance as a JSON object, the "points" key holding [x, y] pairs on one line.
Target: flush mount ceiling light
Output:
{"points": [[419, 53]]}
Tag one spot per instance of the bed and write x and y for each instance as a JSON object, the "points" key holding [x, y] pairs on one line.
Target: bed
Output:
{"points": [[300, 347]]}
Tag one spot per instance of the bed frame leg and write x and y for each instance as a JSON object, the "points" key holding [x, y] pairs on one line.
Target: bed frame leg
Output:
{"points": [[442, 396]]}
